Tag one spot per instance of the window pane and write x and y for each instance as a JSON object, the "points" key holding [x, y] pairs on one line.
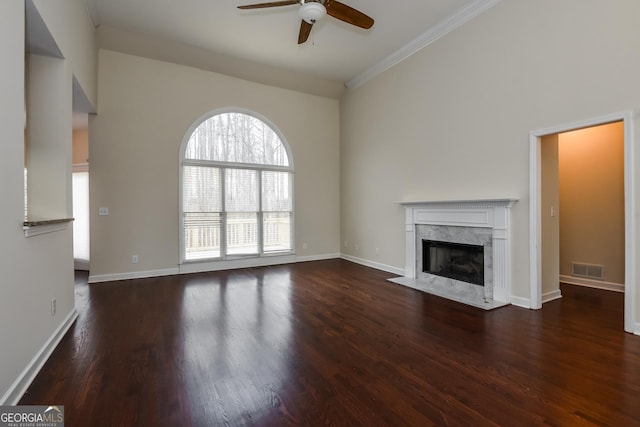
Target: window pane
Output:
{"points": [[276, 191], [241, 190], [201, 235], [201, 189], [236, 137], [242, 233], [277, 231], [202, 206], [80, 188]]}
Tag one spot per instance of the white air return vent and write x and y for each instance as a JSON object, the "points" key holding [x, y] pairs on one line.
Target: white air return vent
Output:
{"points": [[592, 271]]}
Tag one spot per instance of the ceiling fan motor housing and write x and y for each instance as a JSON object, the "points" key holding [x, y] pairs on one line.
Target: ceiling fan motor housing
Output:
{"points": [[312, 12]]}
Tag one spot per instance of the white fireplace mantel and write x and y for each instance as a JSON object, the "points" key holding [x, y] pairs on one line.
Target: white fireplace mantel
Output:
{"points": [[486, 213]]}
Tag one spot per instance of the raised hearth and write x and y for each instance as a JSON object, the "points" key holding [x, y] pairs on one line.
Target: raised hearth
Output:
{"points": [[483, 224]]}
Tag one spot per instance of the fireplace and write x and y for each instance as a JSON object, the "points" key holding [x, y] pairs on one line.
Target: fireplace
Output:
{"points": [[459, 250], [457, 261], [452, 239]]}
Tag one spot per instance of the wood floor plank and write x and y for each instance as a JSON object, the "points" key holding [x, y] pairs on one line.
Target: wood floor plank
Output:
{"points": [[334, 343]]}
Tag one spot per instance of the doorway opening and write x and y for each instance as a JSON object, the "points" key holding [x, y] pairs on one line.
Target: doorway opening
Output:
{"points": [[541, 212], [80, 192]]}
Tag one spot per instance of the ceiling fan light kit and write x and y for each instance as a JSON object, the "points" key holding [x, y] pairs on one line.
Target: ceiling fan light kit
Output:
{"points": [[312, 12]]}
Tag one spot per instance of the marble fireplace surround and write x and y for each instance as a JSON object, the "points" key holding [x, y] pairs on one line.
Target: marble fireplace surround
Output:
{"points": [[480, 221]]}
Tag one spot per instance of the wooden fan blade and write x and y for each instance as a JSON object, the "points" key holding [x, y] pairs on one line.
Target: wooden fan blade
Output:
{"points": [[305, 30], [348, 14], [270, 4]]}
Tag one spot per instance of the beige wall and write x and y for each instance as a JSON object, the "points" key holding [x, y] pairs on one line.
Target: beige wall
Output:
{"points": [[49, 101], [39, 268], [550, 207], [145, 109], [592, 199], [453, 121], [136, 44], [80, 146], [11, 165], [69, 23]]}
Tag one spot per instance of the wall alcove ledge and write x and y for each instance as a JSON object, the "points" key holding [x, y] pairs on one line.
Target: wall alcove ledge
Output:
{"points": [[36, 227]]}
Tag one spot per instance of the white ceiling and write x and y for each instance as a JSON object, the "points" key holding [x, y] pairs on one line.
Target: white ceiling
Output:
{"points": [[335, 51]]}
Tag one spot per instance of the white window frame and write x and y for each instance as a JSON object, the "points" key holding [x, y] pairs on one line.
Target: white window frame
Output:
{"points": [[235, 261]]}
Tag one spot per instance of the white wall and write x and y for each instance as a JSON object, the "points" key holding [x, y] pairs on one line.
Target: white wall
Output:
{"points": [[35, 269], [145, 109], [453, 121]]}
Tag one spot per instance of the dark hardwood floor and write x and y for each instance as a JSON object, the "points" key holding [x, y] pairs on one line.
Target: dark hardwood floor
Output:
{"points": [[334, 343]]}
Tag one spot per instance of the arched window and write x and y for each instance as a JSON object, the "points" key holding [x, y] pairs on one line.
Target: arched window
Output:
{"points": [[237, 189]]}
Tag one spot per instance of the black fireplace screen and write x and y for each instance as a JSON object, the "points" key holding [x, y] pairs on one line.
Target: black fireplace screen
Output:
{"points": [[454, 260]]}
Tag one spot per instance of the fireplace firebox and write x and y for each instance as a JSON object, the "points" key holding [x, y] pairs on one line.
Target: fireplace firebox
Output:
{"points": [[456, 261]]}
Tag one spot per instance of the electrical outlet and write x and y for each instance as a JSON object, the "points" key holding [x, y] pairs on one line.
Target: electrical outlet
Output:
{"points": [[103, 211], [346, 244], [53, 307], [357, 247], [134, 259], [304, 245]]}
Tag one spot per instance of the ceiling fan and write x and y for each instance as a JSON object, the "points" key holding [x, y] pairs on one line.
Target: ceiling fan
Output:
{"points": [[312, 11]]}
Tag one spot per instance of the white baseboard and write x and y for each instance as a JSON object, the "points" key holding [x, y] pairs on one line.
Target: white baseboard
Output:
{"points": [[551, 296], [80, 264], [201, 267], [373, 264], [20, 385], [316, 257], [520, 302], [98, 278], [590, 283], [205, 266]]}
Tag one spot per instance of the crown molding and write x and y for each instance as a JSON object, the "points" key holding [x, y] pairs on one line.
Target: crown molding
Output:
{"points": [[449, 24]]}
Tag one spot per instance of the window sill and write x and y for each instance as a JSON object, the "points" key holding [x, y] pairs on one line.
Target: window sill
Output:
{"points": [[35, 228]]}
